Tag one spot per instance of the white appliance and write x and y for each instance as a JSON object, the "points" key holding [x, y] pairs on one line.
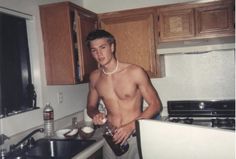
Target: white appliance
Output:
{"points": [[168, 140]]}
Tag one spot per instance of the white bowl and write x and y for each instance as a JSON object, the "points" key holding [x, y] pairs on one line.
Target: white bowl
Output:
{"points": [[60, 133], [87, 129], [86, 132]]}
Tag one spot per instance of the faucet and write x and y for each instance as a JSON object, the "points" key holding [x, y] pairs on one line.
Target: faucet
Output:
{"points": [[12, 147], [3, 137], [3, 151]]}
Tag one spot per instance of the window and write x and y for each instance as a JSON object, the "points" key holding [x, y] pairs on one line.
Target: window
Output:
{"points": [[16, 89]]}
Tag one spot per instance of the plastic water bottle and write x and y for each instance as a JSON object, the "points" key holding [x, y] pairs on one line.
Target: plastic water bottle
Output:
{"points": [[48, 117]]}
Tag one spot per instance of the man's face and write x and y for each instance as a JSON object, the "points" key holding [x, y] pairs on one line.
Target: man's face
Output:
{"points": [[102, 50]]}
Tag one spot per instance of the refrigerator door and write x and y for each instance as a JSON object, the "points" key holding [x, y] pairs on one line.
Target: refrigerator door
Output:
{"points": [[166, 140]]}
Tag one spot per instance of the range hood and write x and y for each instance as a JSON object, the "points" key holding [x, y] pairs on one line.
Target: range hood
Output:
{"points": [[197, 46]]}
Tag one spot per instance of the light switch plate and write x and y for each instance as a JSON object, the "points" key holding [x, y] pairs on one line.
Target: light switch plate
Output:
{"points": [[60, 97]]}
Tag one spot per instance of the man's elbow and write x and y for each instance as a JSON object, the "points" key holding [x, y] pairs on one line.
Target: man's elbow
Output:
{"points": [[89, 112], [158, 107]]}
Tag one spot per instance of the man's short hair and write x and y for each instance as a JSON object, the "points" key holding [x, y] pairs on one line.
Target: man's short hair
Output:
{"points": [[98, 34]]}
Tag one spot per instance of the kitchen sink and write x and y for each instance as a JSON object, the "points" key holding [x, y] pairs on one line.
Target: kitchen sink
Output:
{"points": [[55, 148]]}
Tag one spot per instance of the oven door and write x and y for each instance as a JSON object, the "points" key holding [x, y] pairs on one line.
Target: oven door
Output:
{"points": [[183, 141]]}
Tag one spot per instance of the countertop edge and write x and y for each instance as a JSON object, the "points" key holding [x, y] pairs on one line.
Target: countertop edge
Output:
{"points": [[90, 150]]}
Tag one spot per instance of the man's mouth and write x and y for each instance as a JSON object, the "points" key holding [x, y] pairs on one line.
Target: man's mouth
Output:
{"points": [[101, 59]]}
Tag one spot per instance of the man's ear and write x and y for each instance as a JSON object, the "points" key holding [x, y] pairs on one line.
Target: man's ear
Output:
{"points": [[112, 47]]}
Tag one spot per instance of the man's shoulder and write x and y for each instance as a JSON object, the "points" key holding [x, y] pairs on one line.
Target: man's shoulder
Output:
{"points": [[95, 74], [136, 72], [134, 68]]}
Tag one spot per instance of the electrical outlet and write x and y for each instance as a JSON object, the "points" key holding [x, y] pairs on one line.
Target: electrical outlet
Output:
{"points": [[60, 97]]}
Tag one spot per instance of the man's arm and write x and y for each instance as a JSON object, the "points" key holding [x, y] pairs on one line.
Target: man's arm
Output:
{"points": [[92, 102], [149, 94], [92, 99]]}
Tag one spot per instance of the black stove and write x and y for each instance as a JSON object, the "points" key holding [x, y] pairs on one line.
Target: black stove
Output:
{"points": [[216, 114]]}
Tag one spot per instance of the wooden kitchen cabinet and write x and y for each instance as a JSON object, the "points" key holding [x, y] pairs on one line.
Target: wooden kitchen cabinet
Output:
{"points": [[176, 24], [215, 19], [65, 27], [135, 38], [195, 20]]}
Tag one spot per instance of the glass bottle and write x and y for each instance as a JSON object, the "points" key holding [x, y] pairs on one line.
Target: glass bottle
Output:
{"points": [[118, 149]]}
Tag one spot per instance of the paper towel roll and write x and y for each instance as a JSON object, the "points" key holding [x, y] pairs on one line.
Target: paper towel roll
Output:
{"points": [[86, 117]]}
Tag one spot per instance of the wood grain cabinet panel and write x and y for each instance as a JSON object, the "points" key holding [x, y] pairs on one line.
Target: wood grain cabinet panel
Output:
{"points": [[196, 20], [215, 20], [65, 27], [176, 24], [134, 32], [86, 25]]}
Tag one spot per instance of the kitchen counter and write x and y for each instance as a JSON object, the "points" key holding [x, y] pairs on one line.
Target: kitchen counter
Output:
{"points": [[92, 148]]}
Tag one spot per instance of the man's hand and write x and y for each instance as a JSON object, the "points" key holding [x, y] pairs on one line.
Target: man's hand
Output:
{"points": [[98, 119], [123, 133]]}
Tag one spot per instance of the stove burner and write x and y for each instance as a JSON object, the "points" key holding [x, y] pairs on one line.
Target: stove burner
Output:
{"points": [[223, 123], [179, 120]]}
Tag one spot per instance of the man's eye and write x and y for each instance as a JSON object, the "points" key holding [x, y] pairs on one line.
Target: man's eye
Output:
{"points": [[93, 51]]}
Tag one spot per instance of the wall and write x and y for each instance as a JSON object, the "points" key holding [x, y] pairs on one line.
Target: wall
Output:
{"points": [[114, 5], [209, 76], [42, 2]]}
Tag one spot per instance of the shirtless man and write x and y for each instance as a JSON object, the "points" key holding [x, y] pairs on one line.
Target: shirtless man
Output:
{"points": [[122, 87]]}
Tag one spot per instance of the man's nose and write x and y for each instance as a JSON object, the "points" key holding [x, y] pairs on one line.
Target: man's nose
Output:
{"points": [[99, 53]]}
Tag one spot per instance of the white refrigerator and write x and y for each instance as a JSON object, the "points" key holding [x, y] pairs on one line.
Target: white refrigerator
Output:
{"points": [[167, 140]]}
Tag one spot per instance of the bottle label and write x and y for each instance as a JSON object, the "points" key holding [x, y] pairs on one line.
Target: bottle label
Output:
{"points": [[48, 115]]}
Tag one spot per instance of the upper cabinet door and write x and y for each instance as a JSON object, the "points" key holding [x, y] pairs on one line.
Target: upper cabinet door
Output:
{"points": [[134, 33], [86, 24], [65, 27], [176, 24], [58, 49], [196, 20], [215, 20]]}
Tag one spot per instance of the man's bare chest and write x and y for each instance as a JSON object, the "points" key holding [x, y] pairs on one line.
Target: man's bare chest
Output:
{"points": [[120, 88]]}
